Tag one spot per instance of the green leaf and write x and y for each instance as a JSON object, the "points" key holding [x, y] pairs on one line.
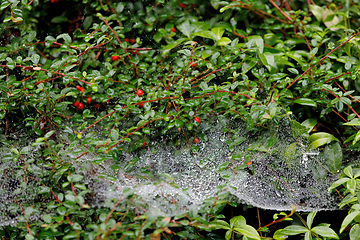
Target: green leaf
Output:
{"points": [[173, 44], [248, 66], [357, 137], [65, 36], [107, 176], [320, 138], [4, 5], [258, 41], [114, 135], [119, 8], [237, 221], [309, 123], [71, 235], [310, 219], [146, 130], [158, 36], [47, 218], [247, 231], [185, 28], [223, 41], [95, 87], [219, 224], [44, 189], [228, 235], [293, 70], [348, 171], [345, 101], [14, 150], [333, 157], [49, 134], [353, 122], [348, 199], [325, 232], [317, 11], [75, 178], [279, 235], [88, 21], [294, 230], [205, 34], [290, 154], [355, 232], [338, 183], [35, 58], [10, 63], [17, 19], [179, 123], [218, 32], [59, 19], [348, 220], [267, 58], [306, 102], [351, 185], [29, 237]]}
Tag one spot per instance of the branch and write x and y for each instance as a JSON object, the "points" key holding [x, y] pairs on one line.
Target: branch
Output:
{"points": [[322, 60]]}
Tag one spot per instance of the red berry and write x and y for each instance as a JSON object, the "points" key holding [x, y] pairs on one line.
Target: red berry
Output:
{"points": [[81, 89], [127, 40], [132, 41], [76, 103], [193, 64], [196, 140], [115, 58], [173, 30], [141, 104], [144, 144], [197, 120], [183, 5], [81, 106], [97, 106], [89, 100], [140, 92]]}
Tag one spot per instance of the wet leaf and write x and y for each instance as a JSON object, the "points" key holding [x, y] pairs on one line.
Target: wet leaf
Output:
{"points": [[258, 41], [306, 102], [348, 220], [320, 138], [333, 156]]}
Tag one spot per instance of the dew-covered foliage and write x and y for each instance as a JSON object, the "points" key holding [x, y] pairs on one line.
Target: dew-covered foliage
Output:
{"points": [[151, 119]]}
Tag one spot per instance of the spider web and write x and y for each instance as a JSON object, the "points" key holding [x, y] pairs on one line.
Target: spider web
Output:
{"points": [[278, 177]]}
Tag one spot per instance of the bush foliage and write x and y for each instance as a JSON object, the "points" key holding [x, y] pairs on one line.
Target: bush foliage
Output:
{"points": [[133, 71]]}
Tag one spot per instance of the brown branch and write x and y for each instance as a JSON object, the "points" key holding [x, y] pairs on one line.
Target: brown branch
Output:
{"points": [[322, 59], [279, 220], [281, 11], [129, 134]]}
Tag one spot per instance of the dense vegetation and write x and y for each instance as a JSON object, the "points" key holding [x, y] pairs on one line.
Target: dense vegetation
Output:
{"points": [[135, 71]]}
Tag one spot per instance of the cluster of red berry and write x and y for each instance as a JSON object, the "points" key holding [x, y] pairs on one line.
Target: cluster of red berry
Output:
{"points": [[140, 93], [78, 105], [197, 119], [115, 58], [132, 41]]}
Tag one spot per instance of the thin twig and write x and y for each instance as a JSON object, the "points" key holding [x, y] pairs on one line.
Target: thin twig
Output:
{"points": [[321, 60]]}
